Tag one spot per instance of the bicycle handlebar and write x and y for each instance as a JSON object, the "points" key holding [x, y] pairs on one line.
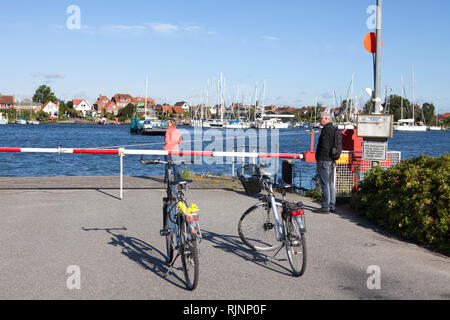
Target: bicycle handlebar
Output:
{"points": [[147, 162], [159, 161]]}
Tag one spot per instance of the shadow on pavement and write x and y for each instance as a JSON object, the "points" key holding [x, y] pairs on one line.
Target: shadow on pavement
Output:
{"points": [[142, 253], [233, 245]]}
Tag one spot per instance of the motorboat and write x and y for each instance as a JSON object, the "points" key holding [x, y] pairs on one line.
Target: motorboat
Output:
{"points": [[273, 124], [21, 121], [3, 120], [154, 127]]}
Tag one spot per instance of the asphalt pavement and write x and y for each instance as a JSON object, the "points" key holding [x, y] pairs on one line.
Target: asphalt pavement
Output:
{"points": [[73, 238]]}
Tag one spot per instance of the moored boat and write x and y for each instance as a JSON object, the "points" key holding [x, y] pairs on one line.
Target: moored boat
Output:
{"points": [[2, 119]]}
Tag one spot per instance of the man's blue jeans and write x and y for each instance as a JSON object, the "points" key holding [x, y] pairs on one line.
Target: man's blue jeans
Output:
{"points": [[325, 171]]}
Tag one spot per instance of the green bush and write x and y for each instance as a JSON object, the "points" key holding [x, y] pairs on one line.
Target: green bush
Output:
{"points": [[411, 199]]}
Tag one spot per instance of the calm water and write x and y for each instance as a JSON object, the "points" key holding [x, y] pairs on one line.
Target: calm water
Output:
{"points": [[431, 143]]}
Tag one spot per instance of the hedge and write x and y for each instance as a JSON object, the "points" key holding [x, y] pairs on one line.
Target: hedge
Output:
{"points": [[411, 199]]}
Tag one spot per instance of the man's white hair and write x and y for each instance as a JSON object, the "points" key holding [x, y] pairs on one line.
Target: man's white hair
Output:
{"points": [[326, 115]]}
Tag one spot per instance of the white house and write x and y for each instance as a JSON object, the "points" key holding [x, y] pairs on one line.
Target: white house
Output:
{"points": [[183, 105], [51, 108], [83, 106]]}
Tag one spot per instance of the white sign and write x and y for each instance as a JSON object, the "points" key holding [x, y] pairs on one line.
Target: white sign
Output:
{"points": [[375, 126], [374, 150]]}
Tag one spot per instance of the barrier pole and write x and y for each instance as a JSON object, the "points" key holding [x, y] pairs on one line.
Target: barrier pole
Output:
{"points": [[121, 153]]}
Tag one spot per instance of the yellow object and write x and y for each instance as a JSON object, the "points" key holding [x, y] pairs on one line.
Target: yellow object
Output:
{"points": [[188, 211], [346, 158]]}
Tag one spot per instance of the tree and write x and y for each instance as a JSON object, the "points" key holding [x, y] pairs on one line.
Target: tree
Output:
{"points": [[127, 112], [69, 104], [428, 113], [368, 107], [395, 107], [44, 94]]}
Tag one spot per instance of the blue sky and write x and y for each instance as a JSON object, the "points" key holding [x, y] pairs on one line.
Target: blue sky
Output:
{"points": [[302, 49]]}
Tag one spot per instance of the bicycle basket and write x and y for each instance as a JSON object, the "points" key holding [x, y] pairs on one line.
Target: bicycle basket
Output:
{"points": [[250, 180]]}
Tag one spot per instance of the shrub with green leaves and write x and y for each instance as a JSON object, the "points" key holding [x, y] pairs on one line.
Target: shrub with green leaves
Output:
{"points": [[411, 199]]}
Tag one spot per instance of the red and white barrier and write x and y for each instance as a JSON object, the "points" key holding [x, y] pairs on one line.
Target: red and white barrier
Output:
{"points": [[154, 153], [122, 152]]}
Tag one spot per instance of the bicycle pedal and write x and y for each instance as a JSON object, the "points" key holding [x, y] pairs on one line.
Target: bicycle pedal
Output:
{"points": [[164, 232]]}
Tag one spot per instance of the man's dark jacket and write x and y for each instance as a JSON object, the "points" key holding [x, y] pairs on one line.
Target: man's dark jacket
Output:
{"points": [[325, 143]]}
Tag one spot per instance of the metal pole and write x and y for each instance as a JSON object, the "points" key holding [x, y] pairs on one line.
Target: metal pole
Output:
{"points": [[377, 102], [121, 152]]}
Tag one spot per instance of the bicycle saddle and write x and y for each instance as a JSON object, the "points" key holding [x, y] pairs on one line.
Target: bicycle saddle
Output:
{"points": [[180, 181], [283, 185]]}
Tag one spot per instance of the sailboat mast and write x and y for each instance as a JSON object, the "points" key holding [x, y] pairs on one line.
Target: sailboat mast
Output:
{"points": [[146, 95], [264, 98], [413, 97], [401, 104], [221, 97], [315, 111]]}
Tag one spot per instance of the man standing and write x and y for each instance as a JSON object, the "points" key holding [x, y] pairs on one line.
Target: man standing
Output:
{"points": [[173, 138], [326, 165]]}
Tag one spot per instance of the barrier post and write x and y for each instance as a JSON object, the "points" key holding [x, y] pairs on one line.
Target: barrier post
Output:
{"points": [[121, 154]]}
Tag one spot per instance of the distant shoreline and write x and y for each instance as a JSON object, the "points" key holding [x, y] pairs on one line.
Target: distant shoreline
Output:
{"points": [[82, 122]]}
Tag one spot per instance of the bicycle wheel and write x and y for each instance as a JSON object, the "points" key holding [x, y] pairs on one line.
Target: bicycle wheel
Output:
{"points": [[257, 228], [295, 242], [169, 237], [189, 256]]}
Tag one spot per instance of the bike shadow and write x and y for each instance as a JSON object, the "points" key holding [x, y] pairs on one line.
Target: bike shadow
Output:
{"points": [[142, 253], [233, 245]]}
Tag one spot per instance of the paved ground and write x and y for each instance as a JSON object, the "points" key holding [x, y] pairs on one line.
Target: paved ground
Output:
{"points": [[49, 224]]}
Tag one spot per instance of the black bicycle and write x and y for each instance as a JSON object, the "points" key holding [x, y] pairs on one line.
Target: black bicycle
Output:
{"points": [[180, 225]]}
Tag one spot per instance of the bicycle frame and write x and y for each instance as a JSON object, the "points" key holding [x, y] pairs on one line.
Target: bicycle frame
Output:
{"points": [[268, 186], [174, 196]]}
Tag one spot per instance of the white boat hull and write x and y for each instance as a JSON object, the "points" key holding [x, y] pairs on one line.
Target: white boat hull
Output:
{"points": [[410, 128]]}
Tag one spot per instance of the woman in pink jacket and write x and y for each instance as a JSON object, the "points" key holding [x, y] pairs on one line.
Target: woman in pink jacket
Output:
{"points": [[172, 140]]}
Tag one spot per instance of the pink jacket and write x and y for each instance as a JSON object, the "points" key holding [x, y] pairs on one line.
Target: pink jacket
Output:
{"points": [[173, 138]]}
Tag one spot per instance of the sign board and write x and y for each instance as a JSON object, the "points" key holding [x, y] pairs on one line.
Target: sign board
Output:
{"points": [[375, 150], [375, 126]]}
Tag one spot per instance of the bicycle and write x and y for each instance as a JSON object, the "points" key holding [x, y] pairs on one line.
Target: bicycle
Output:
{"points": [[262, 228], [180, 225]]}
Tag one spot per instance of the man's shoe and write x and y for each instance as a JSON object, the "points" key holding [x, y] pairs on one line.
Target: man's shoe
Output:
{"points": [[333, 210], [322, 211]]}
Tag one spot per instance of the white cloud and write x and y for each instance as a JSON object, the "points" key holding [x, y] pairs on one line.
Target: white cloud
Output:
{"points": [[192, 28], [123, 28], [270, 38], [58, 75], [163, 27]]}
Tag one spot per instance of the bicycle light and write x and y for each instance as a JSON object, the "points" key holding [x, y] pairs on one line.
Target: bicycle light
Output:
{"points": [[298, 213], [192, 218]]}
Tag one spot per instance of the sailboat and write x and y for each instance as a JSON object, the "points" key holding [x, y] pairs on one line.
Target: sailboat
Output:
{"points": [[436, 127], [148, 125], [21, 120], [409, 125]]}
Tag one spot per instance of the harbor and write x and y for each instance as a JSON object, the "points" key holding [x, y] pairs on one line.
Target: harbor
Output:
{"points": [[294, 140]]}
